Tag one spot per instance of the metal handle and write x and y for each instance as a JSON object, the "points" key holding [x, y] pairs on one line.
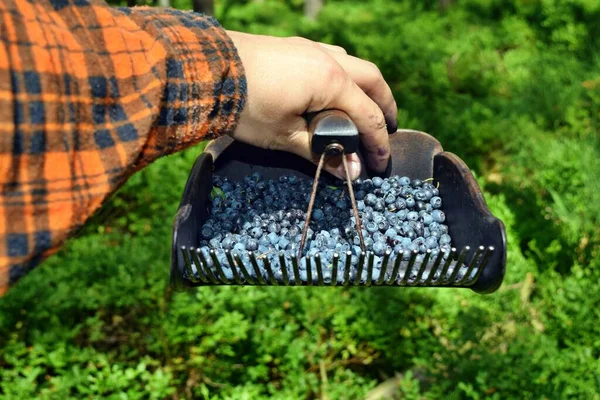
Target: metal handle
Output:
{"points": [[333, 127], [332, 133]]}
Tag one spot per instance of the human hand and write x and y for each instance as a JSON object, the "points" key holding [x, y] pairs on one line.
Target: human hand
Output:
{"points": [[289, 77]]}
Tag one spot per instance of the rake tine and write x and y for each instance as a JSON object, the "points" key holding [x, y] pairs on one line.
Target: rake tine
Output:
{"points": [[459, 264], [309, 280], [319, 270], [209, 273], [442, 277], [296, 270], [435, 267], [218, 266], [384, 264], [346, 281], [267, 265], [334, 269], [423, 266], [188, 265], [396, 269], [472, 265], [361, 262], [483, 263], [283, 267], [370, 269], [242, 267], [198, 264], [411, 263], [254, 262], [236, 276]]}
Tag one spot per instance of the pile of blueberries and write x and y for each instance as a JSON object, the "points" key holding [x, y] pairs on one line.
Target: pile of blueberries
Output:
{"points": [[266, 217]]}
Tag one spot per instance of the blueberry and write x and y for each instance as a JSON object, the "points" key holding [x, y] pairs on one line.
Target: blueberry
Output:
{"points": [[273, 238], [390, 199], [402, 215], [317, 214], [438, 216], [283, 244], [379, 205], [377, 181], [379, 248], [274, 227], [427, 218], [436, 202], [404, 181], [206, 232], [252, 244], [386, 186], [431, 242], [444, 239], [227, 243], [400, 203], [371, 227], [417, 183], [420, 195], [410, 202], [370, 199], [239, 248], [413, 216]]}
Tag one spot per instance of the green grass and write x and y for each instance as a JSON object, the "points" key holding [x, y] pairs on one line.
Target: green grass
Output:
{"points": [[512, 87]]}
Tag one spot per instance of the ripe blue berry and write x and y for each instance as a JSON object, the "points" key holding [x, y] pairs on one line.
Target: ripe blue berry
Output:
{"points": [[436, 202], [438, 216]]}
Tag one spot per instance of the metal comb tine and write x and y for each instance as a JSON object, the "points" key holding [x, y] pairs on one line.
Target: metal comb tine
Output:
{"points": [[370, 264], [409, 267], [236, 275], [267, 265], [346, 281], [297, 280], [484, 260], [218, 266], [442, 277], [188, 264], [242, 268], [459, 264], [207, 269], [384, 265], [309, 280], [396, 269], [435, 267], [283, 266], [423, 267], [319, 270], [198, 265], [334, 269], [471, 266], [254, 262], [359, 270]]}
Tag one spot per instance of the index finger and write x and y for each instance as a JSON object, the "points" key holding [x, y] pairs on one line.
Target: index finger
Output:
{"points": [[369, 78]]}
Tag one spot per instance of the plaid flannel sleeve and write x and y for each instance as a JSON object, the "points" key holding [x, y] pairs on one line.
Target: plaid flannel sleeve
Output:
{"points": [[89, 94]]}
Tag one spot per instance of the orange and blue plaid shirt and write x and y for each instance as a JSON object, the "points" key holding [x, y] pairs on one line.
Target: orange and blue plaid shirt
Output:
{"points": [[90, 94]]}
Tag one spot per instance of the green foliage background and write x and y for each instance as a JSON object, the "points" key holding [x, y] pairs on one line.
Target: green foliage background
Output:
{"points": [[511, 86]]}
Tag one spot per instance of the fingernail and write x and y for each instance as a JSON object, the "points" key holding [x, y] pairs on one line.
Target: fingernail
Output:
{"points": [[392, 125]]}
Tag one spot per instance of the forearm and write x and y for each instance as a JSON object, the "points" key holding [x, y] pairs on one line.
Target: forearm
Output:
{"points": [[89, 95]]}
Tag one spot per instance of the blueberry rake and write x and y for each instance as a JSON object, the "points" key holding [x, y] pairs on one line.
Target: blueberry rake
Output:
{"points": [[477, 260]]}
